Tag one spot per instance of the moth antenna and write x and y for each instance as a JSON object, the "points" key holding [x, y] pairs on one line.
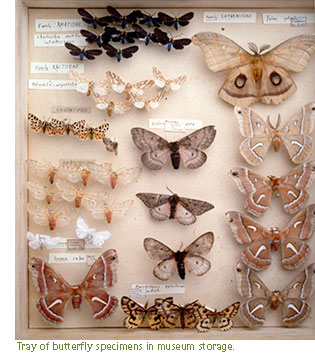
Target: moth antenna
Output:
{"points": [[181, 246], [264, 47], [278, 121], [253, 47], [269, 123], [170, 190]]}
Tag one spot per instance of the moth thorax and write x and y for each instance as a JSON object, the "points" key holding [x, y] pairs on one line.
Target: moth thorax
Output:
{"points": [[76, 298], [173, 200], [275, 184], [175, 156], [275, 240], [52, 176], [257, 68], [275, 299], [113, 179], [85, 175], [180, 263], [276, 141], [78, 200]]}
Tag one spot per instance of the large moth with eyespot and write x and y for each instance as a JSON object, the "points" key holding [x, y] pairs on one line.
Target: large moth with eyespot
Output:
{"points": [[56, 292], [262, 76], [259, 298]]}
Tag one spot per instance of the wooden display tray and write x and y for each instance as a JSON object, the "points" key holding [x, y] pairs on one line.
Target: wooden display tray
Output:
{"points": [[197, 99]]}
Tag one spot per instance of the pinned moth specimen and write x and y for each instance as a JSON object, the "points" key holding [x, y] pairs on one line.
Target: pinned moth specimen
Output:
{"points": [[104, 174], [43, 193], [123, 36], [259, 298], [91, 37], [144, 35], [291, 239], [90, 235], [123, 20], [174, 20], [120, 53], [56, 292], [290, 188], [190, 258], [70, 193], [118, 108], [43, 170], [164, 39], [85, 132], [184, 210], [150, 104], [157, 151], [259, 135], [149, 20], [52, 127], [93, 20], [186, 314], [41, 241], [74, 173], [82, 53], [89, 87], [111, 144], [207, 317], [110, 212], [48, 217], [120, 86], [138, 313], [162, 83], [262, 76]]}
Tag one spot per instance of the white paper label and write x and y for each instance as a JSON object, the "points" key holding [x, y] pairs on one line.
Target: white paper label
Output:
{"points": [[47, 25], [42, 84], [55, 67], [174, 125], [229, 17], [142, 290], [58, 40], [288, 18], [70, 109], [67, 258]]}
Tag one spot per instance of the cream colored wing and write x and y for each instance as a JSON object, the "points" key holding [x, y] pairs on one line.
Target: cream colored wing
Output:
{"points": [[39, 214], [128, 175], [101, 172]]}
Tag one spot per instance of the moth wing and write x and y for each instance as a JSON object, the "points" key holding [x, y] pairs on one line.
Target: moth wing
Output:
{"points": [[68, 191], [120, 209], [157, 250], [294, 312], [154, 102], [196, 265], [165, 269], [128, 175], [293, 54], [230, 311], [220, 52], [117, 84], [176, 83], [82, 229], [160, 80], [159, 205], [140, 86], [101, 172], [195, 206], [253, 311], [201, 245], [184, 216], [39, 215], [39, 192], [41, 170], [63, 217], [155, 320], [302, 226]]}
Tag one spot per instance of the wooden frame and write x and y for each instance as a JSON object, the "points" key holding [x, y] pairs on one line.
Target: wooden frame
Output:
{"points": [[22, 329]]}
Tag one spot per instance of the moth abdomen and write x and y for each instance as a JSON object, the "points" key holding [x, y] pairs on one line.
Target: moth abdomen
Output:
{"points": [[180, 263], [175, 156], [173, 200]]}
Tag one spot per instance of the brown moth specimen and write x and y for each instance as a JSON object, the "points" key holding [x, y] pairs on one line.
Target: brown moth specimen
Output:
{"points": [[259, 298], [186, 314], [290, 188], [56, 292], [85, 132], [43, 216], [259, 135], [138, 313], [190, 258], [74, 173], [184, 210], [111, 144], [262, 76], [188, 150], [260, 241], [89, 87], [207, 317], [51, 127]]}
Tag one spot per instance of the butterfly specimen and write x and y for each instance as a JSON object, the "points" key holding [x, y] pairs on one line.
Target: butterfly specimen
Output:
{"points": [[85, 132], [175, 21], [291, 239], [119, 53], [104, 174], [93, 20], [42, 193], [162, 83], [111, 144], [120, 86], [137, 314], [164, 39], [290, 188], [123, 20], [82, 53], [111, 211], [48, 217], [41, 241], [186, 314], [144, 35], [259, 135], [70, 193], [149, 20], [88, 87], [56, 292], [74, 173], [157, 151], [43, 170], [207, 317], [184, 210], [148, 104], [190, 258], [90, 235], [261, 76], [259, 298]]}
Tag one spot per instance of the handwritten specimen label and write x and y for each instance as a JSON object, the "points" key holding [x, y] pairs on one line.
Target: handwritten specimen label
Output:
{"points": [[42, 84], [55, 67], [58, 40], [71, 109], [293, 19], [142, 290], [229, 17], [49, 25], [178, 125]]}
